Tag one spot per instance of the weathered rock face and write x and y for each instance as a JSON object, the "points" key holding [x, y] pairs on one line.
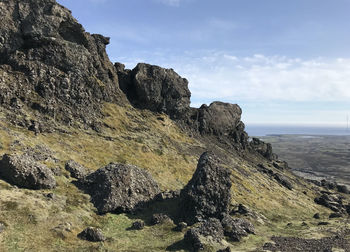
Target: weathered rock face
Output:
{"points": [[119, 188], [155, 88], [24, 171], [208, 192], [222, 120], [59, 69]]}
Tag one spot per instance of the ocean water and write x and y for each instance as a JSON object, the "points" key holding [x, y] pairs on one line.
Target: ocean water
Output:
{"points": [[264, 130]]}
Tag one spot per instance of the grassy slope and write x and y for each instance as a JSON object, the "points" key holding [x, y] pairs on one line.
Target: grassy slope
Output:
{"points": [[155, 143]]}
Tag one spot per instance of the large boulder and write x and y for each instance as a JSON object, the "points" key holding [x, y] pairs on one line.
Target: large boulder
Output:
{"points": [[155, 88], [48, 63], [222, 120], [24, 171], [208, 192], [119, 188]]}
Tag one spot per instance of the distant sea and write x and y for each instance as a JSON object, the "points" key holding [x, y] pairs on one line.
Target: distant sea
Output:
{"points": [[264, 130]]}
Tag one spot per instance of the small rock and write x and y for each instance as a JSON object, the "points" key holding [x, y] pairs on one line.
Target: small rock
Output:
{"points": [[138, 225], [323, 223], [316, 216], [92, 234], [209, 231], [181, 226], [51, 196], [228, 249], [2, 227], [242, 209], [335, 215], [76, 170], [160, 218]]}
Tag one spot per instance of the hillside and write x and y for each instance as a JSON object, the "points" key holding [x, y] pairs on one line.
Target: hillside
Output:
{"points": [[62, 99]]}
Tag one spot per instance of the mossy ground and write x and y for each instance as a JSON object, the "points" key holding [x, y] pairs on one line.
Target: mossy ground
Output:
{"points": [[35, 222]]}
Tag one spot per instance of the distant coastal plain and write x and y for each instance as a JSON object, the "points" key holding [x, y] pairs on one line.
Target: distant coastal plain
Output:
{"points": [[315, 156]]}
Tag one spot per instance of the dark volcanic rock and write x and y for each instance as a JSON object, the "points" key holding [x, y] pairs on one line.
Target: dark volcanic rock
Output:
{"points": [[76, 170], [264, 149], [48, 63], [181, 226], [283, 180], [236, 228], [92, 234], [155, 88], [208, 192], [24, 171], [119, 188], [160, 218], [331, 201], [343, 189], [219, 118], [138, 225], [228, 249], [316, 216], [209, 231]]}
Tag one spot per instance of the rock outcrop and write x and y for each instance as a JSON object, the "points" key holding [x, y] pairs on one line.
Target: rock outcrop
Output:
{"points": [[208, 192], [23, 171], [49, 64], [164, 91], [155, 88], [119, 188]]}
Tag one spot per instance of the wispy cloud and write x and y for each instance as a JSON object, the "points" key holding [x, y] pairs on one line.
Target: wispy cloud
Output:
{"points": [[174, 3]]}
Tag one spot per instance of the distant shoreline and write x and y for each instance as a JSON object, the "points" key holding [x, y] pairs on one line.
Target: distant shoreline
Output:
{"points": [[276, 130]]}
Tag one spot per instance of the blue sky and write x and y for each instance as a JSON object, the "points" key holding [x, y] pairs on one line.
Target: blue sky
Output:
{"points": [[283, 62]]}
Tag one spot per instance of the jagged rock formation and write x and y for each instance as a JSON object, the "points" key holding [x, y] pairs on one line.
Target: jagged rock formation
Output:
{"points": [[24, 171], [207, 194], [119, 188], [155, 88], [49, 64], [162, 90]]}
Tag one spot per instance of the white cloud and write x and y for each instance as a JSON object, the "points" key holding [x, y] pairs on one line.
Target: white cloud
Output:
{"points": [[174, 3], [259, 77]]}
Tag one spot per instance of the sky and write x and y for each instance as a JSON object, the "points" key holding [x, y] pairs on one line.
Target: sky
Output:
{"points": [[283, 62]]}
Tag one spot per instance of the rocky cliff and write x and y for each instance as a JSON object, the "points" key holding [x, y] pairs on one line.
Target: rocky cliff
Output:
{"points": [[51, 65]]}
